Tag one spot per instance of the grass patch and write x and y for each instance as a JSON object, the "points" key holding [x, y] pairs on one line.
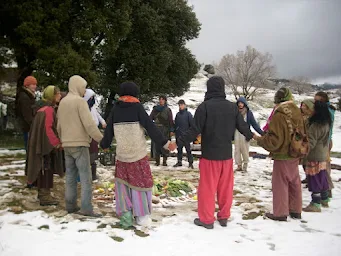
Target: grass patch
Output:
{"points": [[252, 215], [11, 141], [236, 192], [117, 239], [82, 230], [335, 154], [44, 227], [140, 233], [103, 225]]}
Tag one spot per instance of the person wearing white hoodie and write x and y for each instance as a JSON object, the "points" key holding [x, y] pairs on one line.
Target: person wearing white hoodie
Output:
{"points": [[89, 97], [76, 129]]}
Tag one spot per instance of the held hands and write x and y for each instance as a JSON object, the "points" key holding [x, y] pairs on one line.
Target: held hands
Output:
{"points": [[255, 137], [104, 126], [172, 146], [172, 134]]}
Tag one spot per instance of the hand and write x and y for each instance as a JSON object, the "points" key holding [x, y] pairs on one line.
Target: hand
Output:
{"points": [[172, 146], [255, 137], [106, 150], [104, 126], [172, 134]]}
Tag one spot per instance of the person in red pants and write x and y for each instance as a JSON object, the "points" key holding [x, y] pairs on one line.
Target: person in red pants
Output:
{"points": [[216, 119]]}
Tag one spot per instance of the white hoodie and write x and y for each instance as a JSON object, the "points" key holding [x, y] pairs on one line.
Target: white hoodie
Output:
{"points": [[94, 112]]}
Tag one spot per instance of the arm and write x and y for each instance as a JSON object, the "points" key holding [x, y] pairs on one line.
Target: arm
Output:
{"points": [[49, 120], [109, 131], [151, 128], [274, 138], [242, 126], [88, 121], [254, 124], [100, 118], [190, 119], [170, 119], [198, 126], [312, 136], [153, 115]]}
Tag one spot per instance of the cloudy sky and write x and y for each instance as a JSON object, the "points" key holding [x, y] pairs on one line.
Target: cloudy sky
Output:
{"points": [[304, 36]]}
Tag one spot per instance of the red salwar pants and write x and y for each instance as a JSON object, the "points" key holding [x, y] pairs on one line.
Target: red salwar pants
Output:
{"points": [[216, 178]]}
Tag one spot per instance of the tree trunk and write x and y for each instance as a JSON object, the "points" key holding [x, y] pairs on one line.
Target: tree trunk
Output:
{"points": [[109, 105]]}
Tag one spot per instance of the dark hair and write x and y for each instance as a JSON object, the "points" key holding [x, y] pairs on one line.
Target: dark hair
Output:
{"points": [[181, 102], [164, 97], [321, 114], [325, 98]]}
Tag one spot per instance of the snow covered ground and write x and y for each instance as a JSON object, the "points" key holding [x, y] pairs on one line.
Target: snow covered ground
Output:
{"points": [[50, 231]]}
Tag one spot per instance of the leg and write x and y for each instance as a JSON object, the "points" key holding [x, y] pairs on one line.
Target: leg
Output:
{"points": [[225, 190], [83, 166], [237, 154], [180, 152], [245, 153], [157, 153], [70, 181], [26, 140], [280, 189], [189, 153], [209, 177], [295, 192]]}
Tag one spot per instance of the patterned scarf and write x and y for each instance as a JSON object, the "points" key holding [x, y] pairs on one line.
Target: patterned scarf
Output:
{"points": [[129, 99]]}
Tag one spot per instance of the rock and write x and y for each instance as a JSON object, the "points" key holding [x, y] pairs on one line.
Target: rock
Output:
{"points": [[155, 200]]}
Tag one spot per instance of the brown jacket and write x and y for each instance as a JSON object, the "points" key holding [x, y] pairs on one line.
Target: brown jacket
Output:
{"points": [[278, 138], [25, 108], [43, 140]]}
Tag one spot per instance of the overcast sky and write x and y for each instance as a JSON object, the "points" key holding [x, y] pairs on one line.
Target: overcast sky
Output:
{"points": [[304, 36]]}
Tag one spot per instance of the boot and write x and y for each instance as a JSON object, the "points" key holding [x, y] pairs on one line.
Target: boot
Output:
{"points": [[312, 207], [330, 194], [239, 169], [273, 217], [305, 181], [46, 198], [178, 164], [295, 215], [244, 168], [157, 160], [164, 163], [73, 210], [191, 166], [325, 203], [223, 222], [94, 171], [201, 224]]}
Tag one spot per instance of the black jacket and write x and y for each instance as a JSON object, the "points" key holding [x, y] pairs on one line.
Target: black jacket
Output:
{"points": [[216, 119], [25, 108], [183, 121]]}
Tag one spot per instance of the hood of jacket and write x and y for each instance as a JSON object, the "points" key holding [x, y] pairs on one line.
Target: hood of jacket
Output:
{"points": [[88, 94], [289, 109], [77, 85], [243, 100], [215, 88]]}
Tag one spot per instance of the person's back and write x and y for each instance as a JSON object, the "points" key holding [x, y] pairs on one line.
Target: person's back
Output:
{"points": [[75, 123]]}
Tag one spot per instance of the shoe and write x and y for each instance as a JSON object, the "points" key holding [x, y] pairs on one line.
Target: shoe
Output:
{"points": [[273, 217], [223, 222], [157, 161], [144, 221], [178, 164], [92, 214], [239, 169], [296, 216], [191, 166], [325, 203], [305, 181], [312, 207], [164, 161], [200, 224], [45, 197], [74, 210], [157, 164], [330, 194]]}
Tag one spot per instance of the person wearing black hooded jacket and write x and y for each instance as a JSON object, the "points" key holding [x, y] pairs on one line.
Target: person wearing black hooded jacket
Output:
{"points": [[216, 119]]}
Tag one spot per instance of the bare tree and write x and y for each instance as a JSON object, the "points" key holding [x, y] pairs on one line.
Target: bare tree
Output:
{"points": [[300, 84], [246, 71]]}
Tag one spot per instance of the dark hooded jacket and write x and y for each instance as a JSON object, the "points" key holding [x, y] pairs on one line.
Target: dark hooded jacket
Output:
{"points": [[183, 121], [250, 119], [216, 119], [127, 122], [43, 139], [25, 108]]}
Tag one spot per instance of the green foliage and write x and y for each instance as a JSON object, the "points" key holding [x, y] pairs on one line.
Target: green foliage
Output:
{"points": [[106, 41]]}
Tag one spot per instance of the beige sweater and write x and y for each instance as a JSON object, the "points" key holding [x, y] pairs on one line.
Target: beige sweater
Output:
{"points": [[75, 125]]}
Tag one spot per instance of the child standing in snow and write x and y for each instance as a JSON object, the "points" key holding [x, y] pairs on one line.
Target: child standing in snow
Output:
{"points": [[316, 167], [90, 99], [133, 178], [241, 146]]}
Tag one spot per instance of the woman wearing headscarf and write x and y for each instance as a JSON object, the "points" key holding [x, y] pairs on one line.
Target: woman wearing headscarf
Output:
{"points": [[45, 156], [90, 99]]}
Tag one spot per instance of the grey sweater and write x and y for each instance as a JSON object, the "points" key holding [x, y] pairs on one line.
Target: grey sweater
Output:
{"points": [[318, 141]]}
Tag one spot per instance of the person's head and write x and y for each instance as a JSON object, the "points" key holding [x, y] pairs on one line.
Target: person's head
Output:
{"points": [[216, 84], [242, 103], [129, 89], [182, 104], [307, 107], [77, 85], [52, 94], [282, 95], [162, 100], [30, 83], [321, 96], [321, 114]]}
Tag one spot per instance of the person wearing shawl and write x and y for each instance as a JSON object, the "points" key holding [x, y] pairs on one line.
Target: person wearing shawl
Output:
{"points": [[128, 122], [45, 156], [89, 97]]}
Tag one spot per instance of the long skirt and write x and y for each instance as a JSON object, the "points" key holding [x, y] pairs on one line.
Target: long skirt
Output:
{"points": [[128, 199]]}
